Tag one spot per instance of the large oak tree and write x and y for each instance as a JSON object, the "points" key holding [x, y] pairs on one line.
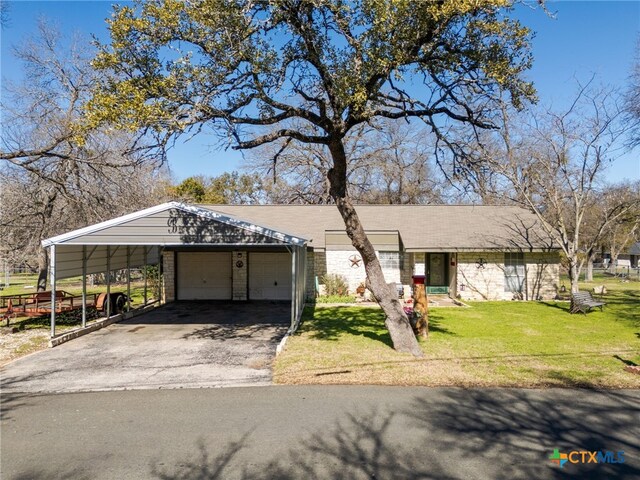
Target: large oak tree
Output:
{"points": [[286, 71], [554, 162]]}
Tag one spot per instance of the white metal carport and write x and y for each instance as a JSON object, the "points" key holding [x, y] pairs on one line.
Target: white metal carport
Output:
{"points": [[140, 238]]}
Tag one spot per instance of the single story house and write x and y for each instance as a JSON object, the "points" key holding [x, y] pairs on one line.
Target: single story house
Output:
{"points": [[631, 256], [282, 252]]}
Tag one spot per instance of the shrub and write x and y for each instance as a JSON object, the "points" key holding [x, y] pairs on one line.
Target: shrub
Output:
{"points": [[334, 284], [336, 299]]}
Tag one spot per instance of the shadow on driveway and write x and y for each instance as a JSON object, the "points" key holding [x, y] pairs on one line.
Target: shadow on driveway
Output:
{"points": [[179, 345]]}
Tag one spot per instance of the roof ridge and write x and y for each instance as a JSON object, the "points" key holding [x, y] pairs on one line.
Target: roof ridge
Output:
{"points": [[355, 205]]}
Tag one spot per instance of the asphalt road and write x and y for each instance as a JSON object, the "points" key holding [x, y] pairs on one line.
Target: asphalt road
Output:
{"points": [[324, 432]]}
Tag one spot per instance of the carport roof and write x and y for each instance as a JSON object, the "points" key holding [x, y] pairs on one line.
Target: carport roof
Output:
{"points": [[174, 223]]}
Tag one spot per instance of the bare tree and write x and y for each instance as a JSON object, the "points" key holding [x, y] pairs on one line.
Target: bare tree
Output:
{"points": [[52, 183], [5, 8], [553, 163], [632, 100], [622, 233], [392, 163], [401, 167]]}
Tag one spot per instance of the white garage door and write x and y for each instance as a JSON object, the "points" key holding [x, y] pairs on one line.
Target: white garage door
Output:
{"points": [[204, 276], [270, 276]]}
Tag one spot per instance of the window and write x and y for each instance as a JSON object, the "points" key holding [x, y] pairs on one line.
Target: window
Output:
{"points": [[513, 272], [390, 259]]}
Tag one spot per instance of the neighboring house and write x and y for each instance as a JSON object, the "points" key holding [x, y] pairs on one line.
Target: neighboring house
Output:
{"points": [[634, 255], [281, 252], [630, 257]]}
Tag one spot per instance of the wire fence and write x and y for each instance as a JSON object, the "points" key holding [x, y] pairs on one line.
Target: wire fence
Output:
{"points": [[619, 272]]}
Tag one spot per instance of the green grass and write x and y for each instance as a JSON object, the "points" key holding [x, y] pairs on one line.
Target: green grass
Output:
{"points": [[68, 320], [336, 299], [506, 344]]}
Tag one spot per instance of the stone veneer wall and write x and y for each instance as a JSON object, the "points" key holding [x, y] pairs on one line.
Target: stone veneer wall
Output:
{"points": [[239, 277], [337, 261], [168, 277], [542, 272], [310, 287]]}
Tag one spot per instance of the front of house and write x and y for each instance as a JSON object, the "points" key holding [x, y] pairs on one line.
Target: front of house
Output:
{"points": [[464, 251], [283, 252]]}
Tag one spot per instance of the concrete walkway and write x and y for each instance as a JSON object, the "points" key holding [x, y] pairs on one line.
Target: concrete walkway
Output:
{"points": [[179, 345], [321, 432]]}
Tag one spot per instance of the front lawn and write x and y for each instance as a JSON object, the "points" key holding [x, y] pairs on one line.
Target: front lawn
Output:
{"points": [[506, 344]]}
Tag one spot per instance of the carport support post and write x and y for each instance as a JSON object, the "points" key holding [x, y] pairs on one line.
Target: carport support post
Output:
{"points": [[128, 278], [159, 291], [52, 281], [144, 274], [108, 299], [293, 286], [84, 286]]}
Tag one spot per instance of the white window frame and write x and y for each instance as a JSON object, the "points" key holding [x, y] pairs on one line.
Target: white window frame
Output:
{"points": [[514, 272], [390, 260]]}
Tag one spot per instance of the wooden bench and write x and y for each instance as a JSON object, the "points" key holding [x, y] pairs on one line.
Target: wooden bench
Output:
{"points": [[583, 302]]}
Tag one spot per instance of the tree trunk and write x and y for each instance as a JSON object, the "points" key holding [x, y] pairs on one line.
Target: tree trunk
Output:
{"points": [[402, 336], [43, 269], [574, 273], [589, 273]]}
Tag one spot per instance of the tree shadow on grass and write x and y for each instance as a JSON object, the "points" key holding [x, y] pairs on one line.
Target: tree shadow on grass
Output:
{"points": [[63, 319], [625, 305], [330, 323], [564, 307], [626, 362], [436, 321]]}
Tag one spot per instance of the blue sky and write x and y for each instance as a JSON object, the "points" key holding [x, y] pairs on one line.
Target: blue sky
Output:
{"points": [[582, 38]]}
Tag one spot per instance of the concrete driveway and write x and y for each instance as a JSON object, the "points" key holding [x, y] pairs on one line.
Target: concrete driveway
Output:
{"points": [[179, 345]]}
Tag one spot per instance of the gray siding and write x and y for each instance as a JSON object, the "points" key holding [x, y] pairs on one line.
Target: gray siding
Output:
{"points": [[173, 227], [382, 241], [69, 258]]}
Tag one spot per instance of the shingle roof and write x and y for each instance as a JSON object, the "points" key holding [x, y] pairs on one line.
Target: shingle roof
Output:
{"points": [[421, 227]]}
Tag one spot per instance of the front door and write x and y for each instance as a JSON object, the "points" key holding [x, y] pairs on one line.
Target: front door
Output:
{"points": [[436, 270]]}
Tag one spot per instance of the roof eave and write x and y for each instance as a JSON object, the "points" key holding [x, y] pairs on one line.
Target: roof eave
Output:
{"points": [[202, 212]]}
